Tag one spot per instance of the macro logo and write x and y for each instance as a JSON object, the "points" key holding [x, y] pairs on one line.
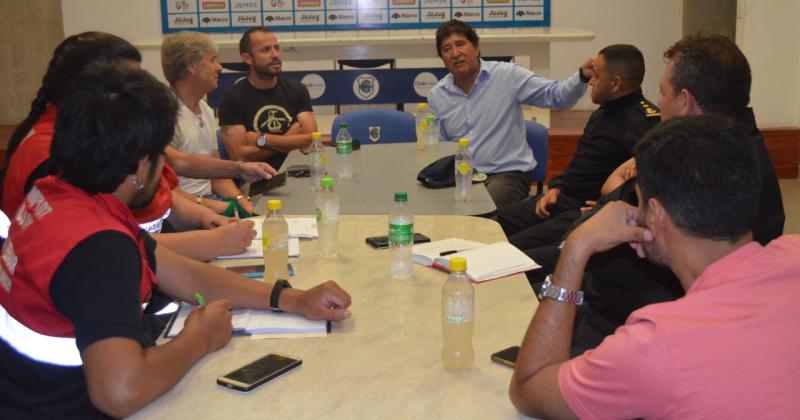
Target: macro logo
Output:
{"points": [[315, 85], [424, 82], [366, 87]]}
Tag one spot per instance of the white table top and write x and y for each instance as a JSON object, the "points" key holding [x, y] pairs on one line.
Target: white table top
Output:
{"points": [[380, 170], [384, 362]]}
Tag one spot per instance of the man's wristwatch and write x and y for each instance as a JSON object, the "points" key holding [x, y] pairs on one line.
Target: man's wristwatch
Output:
{"points": [[277, 288], [261, 140], [239, 197], [560, 294]]}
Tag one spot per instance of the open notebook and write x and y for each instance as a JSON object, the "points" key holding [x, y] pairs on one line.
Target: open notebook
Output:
{"points": [[484, 262], [259, 322]]}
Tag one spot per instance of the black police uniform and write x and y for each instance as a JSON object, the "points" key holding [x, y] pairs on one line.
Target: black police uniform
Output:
{"points": [[607, 141]]}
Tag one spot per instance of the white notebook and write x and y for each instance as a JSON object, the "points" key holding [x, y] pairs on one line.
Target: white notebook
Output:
{"points": [[258, 321], [484, 262]]}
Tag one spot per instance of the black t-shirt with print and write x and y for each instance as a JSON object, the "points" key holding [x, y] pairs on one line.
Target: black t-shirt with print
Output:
{"points": [[270, 111]]}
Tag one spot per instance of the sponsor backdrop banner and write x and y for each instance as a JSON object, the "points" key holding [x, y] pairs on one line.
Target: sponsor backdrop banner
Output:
{"points": [[332, 87], [317, 15]]}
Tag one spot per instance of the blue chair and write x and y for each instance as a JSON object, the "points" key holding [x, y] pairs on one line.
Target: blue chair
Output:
{"points": [[537, 138], [378, 126], [223, 152]]}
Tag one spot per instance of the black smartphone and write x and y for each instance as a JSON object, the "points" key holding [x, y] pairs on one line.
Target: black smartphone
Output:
{"points": [[248, 269], [507, 356], [299, 171], [381, 242], [266, 185], [256, 373]]}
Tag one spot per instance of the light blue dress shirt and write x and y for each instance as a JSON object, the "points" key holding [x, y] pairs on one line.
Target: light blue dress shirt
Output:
{"points": [[490, 116]]}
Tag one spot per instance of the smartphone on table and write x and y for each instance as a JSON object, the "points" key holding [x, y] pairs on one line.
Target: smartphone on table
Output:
{"points": [[258, 372], [507, 356], [381, 242]]}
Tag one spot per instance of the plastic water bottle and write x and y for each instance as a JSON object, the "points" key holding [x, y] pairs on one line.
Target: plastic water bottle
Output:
{"points": [[431, 134], [328, 219], [463, 171], [275, 243], [344, 151], [401, 237], [420, 118], [319, 161], [458, 317]]}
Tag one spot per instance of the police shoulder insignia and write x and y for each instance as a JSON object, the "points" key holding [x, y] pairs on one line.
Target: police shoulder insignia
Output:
{"points": [[649, 109]]}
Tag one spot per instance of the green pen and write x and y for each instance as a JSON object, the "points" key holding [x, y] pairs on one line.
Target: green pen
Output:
{"points": [[200, 299]]}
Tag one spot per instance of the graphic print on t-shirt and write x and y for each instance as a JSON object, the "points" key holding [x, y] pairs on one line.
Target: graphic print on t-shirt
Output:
{"points": [[273, 119]]}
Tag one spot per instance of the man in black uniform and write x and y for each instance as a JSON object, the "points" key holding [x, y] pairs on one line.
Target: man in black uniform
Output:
{"points": [[608, 139], [264, 116], [704, 74]]}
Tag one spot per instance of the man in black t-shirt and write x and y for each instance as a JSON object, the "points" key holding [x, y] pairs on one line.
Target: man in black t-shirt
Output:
{"points": [[263, 117]]}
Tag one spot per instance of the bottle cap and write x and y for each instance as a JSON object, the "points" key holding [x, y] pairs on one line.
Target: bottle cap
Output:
{"points": [[401, 196], [316, 135], [343, 125], [273, 205], [326, 182], [463, 142], [422, 106], [458, 264], [430, 118]]}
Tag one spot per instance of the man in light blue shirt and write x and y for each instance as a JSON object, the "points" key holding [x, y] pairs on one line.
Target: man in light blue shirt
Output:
{"points": [[482, 101]]}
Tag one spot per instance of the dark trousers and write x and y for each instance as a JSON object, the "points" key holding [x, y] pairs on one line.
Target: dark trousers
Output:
{"points": [[507, 188], [526, 230]]}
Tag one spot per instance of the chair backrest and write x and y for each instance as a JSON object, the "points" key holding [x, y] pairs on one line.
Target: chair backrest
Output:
{"points": [[378, 126], [538, 138], [223, 152]]}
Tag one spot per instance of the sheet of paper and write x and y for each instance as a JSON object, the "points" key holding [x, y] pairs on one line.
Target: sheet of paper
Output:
{"points": [[299, 227], [254, 250]]}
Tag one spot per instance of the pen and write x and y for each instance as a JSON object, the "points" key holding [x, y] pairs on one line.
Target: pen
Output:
{"points": [[452, 251], [200, 299]]}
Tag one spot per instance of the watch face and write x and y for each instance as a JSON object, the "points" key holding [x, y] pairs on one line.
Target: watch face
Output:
{"points": [[261, 141]]}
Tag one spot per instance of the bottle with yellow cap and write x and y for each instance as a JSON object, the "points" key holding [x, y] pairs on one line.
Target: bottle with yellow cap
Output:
{"points": [[431, 134], [420, 118], [319, 160], [275, 243], [458, 317], [463, 168]]}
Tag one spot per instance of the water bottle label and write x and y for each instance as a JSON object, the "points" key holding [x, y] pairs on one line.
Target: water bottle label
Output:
{"points": [[323, 160], [459, 311], [464, 168], [401, 234], [264, 242], [344, 147]]}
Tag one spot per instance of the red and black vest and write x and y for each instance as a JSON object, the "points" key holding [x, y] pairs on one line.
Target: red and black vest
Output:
{"points": [[55, 217]]}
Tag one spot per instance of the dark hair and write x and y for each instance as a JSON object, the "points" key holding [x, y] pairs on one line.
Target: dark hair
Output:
{"points": [[704, 171], [451, 27], [713, 69], [110, 119], [244, 42], [626, 61], [75, 54]]}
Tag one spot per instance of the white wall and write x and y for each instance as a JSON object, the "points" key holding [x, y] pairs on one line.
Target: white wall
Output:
{"points": [[767, 31]]}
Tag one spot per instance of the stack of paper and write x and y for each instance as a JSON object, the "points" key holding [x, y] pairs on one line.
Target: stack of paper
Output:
{"points": [[299, 228], [259, 322], [484, 262]]}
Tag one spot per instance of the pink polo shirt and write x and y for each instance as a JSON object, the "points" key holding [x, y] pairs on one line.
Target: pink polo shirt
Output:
{"points": [[730, 348]]}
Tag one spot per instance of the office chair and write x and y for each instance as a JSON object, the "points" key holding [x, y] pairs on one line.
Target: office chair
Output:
{"points": [[537, 137], [378, 126]]}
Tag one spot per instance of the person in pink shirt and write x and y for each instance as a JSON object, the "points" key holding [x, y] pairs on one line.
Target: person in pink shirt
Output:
{"points": [[728, 348]]}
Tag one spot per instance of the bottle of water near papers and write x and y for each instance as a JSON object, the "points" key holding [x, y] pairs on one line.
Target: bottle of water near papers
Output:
{"points": [[458, 316], [275, 243], [328, 219], [463, 170], [431, 134], [319, 161], [420, 118], [401, 237], [344, 151]]}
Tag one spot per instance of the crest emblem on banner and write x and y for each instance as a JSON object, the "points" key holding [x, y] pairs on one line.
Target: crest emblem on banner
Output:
{"points": [[374, 133], [366, 87]]}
